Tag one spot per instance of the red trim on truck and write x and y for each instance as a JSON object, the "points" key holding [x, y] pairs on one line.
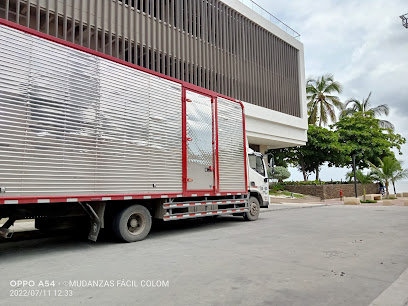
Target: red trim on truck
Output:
{"points": [[217, 159], [215, 149], [105, 197], [245, 145], [184, 137]]}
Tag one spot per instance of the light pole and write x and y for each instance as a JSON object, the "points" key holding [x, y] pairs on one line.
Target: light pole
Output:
{"points": [[353, 156]]}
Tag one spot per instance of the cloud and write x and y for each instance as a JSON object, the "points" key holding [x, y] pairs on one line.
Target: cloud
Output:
{"points": [[362, 43]]}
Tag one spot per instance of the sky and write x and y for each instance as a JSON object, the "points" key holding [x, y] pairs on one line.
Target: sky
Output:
{"points": [[363, 44]]}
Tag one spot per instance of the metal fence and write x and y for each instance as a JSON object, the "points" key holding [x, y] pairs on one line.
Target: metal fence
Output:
{"points": [[276, 21], [203, 42]]}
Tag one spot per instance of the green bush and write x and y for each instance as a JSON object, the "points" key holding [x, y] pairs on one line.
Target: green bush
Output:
{"points": [[276, 187], [369, 201], [302, 183], [280, 173]]}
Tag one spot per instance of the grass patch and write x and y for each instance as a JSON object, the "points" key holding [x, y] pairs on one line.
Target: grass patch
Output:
{"points": [[285, 193], [391, 198], [275, 187], [369, 201]]}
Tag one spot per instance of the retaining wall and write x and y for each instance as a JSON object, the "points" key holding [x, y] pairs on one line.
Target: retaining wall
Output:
{"points": [[332, 191]]}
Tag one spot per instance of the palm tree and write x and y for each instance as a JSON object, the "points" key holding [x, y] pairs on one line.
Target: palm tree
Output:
{"points": [[364, 179], [321, 102], [401, 174], [390, 170], [353, 106]]}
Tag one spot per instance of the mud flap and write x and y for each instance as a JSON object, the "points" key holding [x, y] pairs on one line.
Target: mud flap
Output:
{"points": [[96, 222], [94, 231]]}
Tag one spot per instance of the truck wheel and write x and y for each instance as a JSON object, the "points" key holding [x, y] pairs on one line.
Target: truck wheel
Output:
{"points": [[253, 212], [132, 224]]}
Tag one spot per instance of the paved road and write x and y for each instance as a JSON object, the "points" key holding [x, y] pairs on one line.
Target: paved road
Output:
{"points": [[320, 255]]}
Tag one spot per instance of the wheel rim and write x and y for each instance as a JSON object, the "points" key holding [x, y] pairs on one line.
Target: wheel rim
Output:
{"points": [[253, 209], [136, 224]]}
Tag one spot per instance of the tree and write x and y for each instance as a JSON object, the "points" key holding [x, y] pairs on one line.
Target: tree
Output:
{"points": [[353, 106], [388, 171], [322, 103], [294, 156], [362, 135], [364, 179], [322, 146], [279, 156], [280, 173], [401, 174]]}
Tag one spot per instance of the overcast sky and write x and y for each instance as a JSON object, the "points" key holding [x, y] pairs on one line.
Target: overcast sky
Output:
{"points": [[362, 43]]}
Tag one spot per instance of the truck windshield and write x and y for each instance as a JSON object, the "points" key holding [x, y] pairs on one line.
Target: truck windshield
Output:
{"points": [[256, 163]]}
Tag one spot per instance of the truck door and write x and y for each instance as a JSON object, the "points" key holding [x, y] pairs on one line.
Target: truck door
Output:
{"points": [[199, 148]]}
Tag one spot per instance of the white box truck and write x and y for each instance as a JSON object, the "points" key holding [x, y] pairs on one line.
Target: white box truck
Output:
{"points": [[86, 134]]}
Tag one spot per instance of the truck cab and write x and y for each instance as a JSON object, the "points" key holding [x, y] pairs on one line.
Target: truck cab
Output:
{"points": [[258, 178]]}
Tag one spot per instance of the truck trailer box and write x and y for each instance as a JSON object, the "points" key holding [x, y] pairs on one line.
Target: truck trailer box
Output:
{"points": [[80, 127]]}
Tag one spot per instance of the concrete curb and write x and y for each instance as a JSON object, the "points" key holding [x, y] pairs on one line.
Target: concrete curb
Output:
{"points": [[396, 294]]}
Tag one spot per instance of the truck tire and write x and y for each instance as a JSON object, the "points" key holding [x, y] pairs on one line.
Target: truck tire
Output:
{"points": [[132, 224], [254, 208]]}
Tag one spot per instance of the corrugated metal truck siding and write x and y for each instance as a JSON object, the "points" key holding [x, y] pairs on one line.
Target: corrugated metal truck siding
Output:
{"points": [[232, 159], [71, 122]]}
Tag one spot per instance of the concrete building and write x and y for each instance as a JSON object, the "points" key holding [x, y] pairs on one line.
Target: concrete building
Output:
{"points": [[221, 45]]}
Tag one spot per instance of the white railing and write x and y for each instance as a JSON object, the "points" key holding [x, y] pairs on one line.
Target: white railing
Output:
{"points": [[264, 13]]}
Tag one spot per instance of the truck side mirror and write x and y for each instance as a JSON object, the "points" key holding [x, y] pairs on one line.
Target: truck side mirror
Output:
{"points": [[272, 162], [272, 166]]}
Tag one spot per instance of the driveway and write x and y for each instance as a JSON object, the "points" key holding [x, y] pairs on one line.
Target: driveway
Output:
{"points": [[295, 254]]}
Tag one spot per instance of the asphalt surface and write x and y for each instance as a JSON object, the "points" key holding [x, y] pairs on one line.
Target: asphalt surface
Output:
{"points": [[319, 255]]}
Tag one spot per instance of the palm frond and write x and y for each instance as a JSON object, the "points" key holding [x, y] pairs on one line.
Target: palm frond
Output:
{"points": [[311, 98], [333, 87], [323, 114], [329, 77], [311, 89], [347, 112], [384, 124], [355, 104], [379, 110], [402, 174], [366, 102], [329, 110], [363, 178], [377, 176], [321, 84], [312, 111], [389, 166], [376, 172], [336, 102], [349, 175]]}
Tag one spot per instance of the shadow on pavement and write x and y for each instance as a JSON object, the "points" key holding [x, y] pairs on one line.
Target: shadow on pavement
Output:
{"points": [[36, 241]]}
